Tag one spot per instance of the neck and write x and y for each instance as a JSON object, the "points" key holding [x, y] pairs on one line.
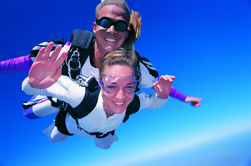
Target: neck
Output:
{"points": [[107, 110], [99, 54]]}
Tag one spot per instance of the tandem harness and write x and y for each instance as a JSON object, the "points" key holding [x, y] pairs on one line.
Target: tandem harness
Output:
{"points": [[82, 46]]}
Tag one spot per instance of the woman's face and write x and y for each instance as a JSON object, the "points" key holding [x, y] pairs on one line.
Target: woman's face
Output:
{"points": [[118, 88]]}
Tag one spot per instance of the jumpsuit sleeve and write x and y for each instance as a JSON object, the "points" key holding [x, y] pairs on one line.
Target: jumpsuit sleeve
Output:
{"points": [[19, 64], [150, 101], [23, 63], [64, 89], [177, 95]]}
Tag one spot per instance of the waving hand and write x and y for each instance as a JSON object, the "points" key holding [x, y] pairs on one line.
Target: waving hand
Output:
{"points": [[46, 69]]}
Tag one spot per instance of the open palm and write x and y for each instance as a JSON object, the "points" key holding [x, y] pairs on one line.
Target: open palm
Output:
{"points": [[46, 69]]}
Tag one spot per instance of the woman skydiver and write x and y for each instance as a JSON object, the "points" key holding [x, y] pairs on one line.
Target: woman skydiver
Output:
{"points": [[99, 112]]}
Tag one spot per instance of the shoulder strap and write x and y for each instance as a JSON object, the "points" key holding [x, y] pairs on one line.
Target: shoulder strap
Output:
{"points": [[60, 122], [81, 38], [82, 46], [132, 108], [138, 74], [88, 103]]}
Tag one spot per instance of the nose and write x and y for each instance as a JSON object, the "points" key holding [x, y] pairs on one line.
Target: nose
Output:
{"points": [[120, 94], [111, 29]]}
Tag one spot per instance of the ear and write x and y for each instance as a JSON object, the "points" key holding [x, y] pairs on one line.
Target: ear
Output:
{"points": [[94, 26], [99, 80]]}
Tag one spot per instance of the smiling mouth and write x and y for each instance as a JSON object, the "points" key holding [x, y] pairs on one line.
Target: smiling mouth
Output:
{"points": [[110, 40], [119, 103]]}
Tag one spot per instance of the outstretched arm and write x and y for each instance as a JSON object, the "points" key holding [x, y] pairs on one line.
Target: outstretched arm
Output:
{"points": [[195, 101], [20, 64], [46, 69]]}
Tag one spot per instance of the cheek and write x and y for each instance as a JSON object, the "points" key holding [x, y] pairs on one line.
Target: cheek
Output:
{"points": [[130, 97], [107, 96], [123, 35]]}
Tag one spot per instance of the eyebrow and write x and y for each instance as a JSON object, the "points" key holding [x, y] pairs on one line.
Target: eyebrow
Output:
{"points": [[126, 84]]}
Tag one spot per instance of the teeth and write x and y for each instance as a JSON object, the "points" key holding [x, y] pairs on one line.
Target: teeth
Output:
{"points": [[110, 40], [118, 103]]}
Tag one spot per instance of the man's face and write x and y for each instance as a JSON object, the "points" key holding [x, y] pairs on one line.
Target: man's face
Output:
{"points": [[109, 39]]}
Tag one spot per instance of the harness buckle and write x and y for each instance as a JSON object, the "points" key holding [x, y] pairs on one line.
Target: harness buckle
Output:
{"points": [[74, 63], [82, 81]]}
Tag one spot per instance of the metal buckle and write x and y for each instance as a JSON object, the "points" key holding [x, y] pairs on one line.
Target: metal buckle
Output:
{"points": [[82, 81], [61, 104], [74, 59]]}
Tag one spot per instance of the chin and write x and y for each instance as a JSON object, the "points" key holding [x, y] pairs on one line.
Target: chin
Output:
{"points": [[120, 110]]}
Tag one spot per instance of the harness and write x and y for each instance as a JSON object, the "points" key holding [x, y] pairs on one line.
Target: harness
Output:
{"points": [[87, 105], [82, 46]]}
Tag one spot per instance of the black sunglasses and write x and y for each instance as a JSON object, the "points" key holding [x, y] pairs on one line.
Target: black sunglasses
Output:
{"points": [[107, 23]]}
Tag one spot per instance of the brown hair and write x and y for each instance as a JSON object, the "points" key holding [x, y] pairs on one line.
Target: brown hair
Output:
{"points": [[119, 57], [134, 29]]}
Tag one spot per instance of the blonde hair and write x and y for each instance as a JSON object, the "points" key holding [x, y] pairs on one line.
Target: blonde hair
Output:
{"points": [[119, 3]]}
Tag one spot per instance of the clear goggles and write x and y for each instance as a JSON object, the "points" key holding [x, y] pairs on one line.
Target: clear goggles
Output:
{"points": [[110, 83]]}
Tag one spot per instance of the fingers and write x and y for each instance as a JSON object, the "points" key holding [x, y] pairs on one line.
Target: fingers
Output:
{"points": [[167, 78], [44, 55], [60, 60], [40, 54], [55, 54], [173, 77], [196, 103], [47, 51]]}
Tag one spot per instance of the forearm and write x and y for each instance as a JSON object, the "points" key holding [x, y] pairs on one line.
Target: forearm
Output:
{"points": [[177, 95], [20, 64], [64, 89], [150, 101]]}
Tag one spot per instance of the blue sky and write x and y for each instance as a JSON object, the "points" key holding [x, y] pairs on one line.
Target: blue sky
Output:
{"points": [[205, 44]]}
